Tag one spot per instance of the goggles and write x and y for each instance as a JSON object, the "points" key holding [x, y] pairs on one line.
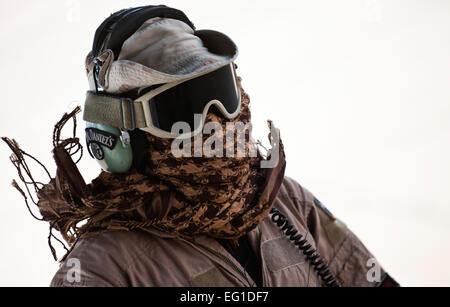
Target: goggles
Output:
{"points": [[188, 102], [165, 110]]}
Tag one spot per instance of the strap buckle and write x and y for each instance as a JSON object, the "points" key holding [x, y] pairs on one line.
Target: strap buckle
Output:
{"points": [[97, 66], [133, 123]]}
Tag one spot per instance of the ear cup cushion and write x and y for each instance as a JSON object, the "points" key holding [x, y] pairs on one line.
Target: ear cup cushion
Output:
{"points": [[140, 146]]}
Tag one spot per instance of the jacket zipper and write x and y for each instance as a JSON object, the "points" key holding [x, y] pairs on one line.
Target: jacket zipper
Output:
{"points": [[226, 260]]}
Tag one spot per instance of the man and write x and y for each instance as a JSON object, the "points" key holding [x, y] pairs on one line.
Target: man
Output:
{"points": [[176, 204]]}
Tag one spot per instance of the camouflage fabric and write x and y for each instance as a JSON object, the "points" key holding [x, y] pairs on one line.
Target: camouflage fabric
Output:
{"points": [[189, 196]]}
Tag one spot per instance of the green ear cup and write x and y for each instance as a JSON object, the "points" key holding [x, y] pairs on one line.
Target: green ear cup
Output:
{"points": [[105, 146]]}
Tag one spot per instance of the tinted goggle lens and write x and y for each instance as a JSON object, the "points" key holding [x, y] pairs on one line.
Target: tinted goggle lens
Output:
{"points": [[182, 102]]}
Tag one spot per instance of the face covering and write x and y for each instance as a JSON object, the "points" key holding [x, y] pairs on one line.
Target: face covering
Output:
{"points": [[223, 198]]}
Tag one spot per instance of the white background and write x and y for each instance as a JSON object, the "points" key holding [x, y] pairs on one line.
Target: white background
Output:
{"points": [[360, 91]]}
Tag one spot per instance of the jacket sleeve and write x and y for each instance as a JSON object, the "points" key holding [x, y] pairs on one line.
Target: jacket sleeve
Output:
{"points": [[349, 259]]}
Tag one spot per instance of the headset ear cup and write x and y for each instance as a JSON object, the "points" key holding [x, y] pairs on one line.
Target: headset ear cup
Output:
{"points": [[106, 147], [140, 150]]}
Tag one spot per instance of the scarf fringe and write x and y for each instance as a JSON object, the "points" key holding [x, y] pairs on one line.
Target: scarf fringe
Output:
{"points": [[19, 160]]}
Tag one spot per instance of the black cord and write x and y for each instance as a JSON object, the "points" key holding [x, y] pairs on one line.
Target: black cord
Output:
{"points": [[320, 265]]}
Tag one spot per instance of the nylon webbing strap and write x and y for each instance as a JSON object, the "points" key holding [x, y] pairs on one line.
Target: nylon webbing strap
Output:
{"points": [[114, 111]]}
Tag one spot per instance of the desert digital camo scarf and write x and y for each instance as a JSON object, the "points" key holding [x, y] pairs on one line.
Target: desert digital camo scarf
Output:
{"points": [[223, 198]]}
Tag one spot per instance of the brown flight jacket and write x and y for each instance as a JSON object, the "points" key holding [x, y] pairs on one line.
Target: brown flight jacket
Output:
{"points": [[152, 258]]}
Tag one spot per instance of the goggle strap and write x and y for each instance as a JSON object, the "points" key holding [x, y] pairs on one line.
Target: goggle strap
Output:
{"points": [[113, 111]]}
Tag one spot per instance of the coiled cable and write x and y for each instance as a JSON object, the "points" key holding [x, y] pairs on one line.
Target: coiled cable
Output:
{"points": [[318, 262]]}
